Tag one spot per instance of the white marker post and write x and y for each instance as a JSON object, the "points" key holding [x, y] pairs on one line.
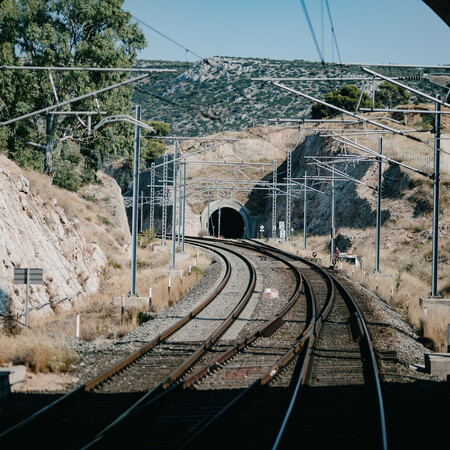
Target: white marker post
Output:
{"points": [[77, 332], [149, 299]]}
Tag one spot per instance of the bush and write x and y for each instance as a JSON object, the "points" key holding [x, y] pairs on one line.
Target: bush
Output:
{"points": [[39, 353], [147, 237], [346, 98], [390, 95], [66, 175]]}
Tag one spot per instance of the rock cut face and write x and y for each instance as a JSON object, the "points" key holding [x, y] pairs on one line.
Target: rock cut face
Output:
{"points": [[36, 233]]}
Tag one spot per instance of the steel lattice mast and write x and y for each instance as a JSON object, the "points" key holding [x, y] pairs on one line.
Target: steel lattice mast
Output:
{"points": [[165, 198], [274, 200], [288, 195], [152, 196]]}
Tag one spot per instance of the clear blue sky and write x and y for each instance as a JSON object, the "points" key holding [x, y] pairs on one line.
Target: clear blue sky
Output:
{"points": [[368, 31]]}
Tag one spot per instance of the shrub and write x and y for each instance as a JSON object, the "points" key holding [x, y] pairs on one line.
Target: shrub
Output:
{"points": [[39, 353], [66, 175], [346, 97], [115, 264], [390, 95], [147, 237]]}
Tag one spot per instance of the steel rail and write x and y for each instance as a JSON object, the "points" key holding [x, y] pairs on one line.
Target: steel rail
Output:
{"points": [[121, 365], [257, 385], [220, 330], [265, 330], [169, 386], [373, 361], [304, 342], [352, 304]]}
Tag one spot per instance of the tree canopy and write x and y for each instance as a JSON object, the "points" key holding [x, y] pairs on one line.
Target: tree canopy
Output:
{"points": [[390, 95], [155, 147], [69, 33], [346, 97]]}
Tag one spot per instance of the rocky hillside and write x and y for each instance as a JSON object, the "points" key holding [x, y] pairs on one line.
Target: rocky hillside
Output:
{"points": [[44, 227], [218, 94]]}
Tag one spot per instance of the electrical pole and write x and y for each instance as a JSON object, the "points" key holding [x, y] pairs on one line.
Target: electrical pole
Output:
{"points": [[180, 206], [174, 207], [152, 197], [437, 151], [184, 203], [304, 214], [137, 138], [142, 211], [333, 225], [274, 199], [377, 251], [288, 195], [165, 200], [208, 213], [219, 214]]}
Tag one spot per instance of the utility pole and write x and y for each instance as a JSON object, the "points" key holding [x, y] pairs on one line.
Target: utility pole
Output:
{"points": [[137, 138], [274, 199], [174, 207], [180, 207], [208, 212], [333, 220], [152, 197], [304, 214], [219, 213], [377, 251], [184, 203], [165, 200], [437, 151], [142, 212], [288, 195]]}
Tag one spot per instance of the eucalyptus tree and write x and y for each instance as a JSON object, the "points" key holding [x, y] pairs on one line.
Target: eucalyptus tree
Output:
{"points": [[66, 33]]}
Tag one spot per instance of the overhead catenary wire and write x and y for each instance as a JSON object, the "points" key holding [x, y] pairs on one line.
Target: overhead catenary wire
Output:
{"points": [[333, 32], [167, 37], [311, 29]]}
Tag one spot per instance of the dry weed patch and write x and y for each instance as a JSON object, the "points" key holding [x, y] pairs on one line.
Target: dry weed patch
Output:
{"points": [[44, 347], [37, 351], [405, 263]]}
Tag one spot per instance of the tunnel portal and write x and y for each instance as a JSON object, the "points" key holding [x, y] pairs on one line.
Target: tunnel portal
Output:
{"points": [[231, 223]]}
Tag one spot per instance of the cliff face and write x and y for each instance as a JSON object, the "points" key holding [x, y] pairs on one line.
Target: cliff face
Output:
{"points": [[36, 232]]}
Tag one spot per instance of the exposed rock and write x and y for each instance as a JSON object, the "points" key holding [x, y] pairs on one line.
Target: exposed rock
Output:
{"points": [[109, 195], [36, 233]]}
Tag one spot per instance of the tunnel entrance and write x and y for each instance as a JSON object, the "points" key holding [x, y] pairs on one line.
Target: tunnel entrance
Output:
{"points": [[231, 223]]}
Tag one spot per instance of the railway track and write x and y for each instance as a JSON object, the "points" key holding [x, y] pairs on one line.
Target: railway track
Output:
{"points": [[153, 367], [285, 374], [338, 401]]}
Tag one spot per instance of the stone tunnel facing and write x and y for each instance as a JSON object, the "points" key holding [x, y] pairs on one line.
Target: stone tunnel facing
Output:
{"points": [[231, 223]]}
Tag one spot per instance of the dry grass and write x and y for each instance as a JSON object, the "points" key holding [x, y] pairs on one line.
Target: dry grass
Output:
{"points": [[44, 347], [101, 319], [39, 352], [405, 277]]}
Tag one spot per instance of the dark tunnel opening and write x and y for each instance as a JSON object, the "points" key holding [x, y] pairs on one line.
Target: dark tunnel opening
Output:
{"points": [[231, 223]]}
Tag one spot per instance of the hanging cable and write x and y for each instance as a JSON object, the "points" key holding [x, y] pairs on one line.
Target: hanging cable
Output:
{"points": [[168, 38], [332, 31], [312, 31]]}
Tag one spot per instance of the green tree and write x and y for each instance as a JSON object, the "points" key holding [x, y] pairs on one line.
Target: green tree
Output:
{"points": [[87, 33], [155, 147], [8, 34], [346, 98], [390, 95]]}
